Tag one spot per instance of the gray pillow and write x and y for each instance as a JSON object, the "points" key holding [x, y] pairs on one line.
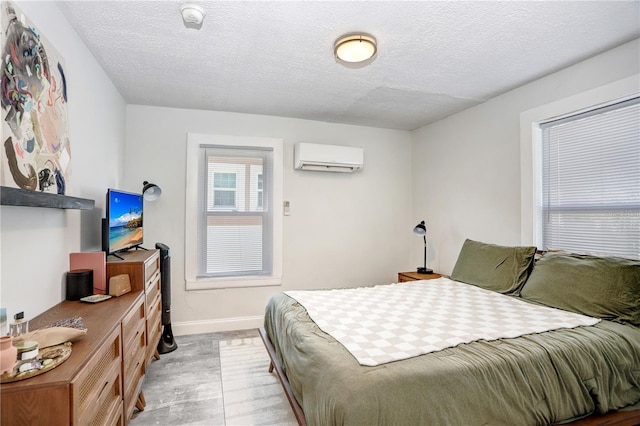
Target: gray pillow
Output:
{"points": [[601, 287], [498, 268]]}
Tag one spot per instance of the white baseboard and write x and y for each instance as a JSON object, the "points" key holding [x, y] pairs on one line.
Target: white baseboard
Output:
{"points": [[210, 326]]}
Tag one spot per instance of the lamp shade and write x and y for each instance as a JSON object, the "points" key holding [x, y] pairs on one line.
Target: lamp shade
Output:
{"points": [[420, 229], [150, 191], [355, 48]]}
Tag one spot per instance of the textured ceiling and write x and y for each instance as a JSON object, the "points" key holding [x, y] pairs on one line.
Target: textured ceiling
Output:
{"points": [[276, 57]]}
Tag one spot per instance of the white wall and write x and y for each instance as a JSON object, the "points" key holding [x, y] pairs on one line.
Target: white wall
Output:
{"points": [[344, 229], [467, 167], [36, 242]]}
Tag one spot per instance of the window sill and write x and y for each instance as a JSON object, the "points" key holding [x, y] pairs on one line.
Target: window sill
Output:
{"points": [[240, 282]]}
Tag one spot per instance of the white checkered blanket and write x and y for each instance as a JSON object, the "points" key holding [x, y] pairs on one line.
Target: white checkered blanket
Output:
{"points": [[391, 322]]}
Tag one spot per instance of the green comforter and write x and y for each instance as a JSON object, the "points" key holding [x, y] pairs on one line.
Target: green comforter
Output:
{"points": [[544, 378]]}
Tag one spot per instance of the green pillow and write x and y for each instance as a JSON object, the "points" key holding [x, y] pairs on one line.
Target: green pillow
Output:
{"points": [[498, 268], [601, 287]]}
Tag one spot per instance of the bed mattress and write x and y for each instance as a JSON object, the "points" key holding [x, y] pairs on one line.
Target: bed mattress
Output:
{"points": [[391, 322], [544, 378]]}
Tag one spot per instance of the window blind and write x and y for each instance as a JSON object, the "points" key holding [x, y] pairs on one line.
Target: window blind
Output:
{"points": [[235, 220], [591, 181]]}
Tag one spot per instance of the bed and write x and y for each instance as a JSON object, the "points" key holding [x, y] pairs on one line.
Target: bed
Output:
{"points": [[557, 376]]}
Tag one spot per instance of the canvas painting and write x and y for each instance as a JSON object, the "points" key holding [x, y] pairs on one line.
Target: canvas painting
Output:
{"points": [[36, 153]]}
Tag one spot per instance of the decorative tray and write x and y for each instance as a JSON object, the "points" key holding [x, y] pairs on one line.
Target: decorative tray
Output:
{"points": [[57, 354]]}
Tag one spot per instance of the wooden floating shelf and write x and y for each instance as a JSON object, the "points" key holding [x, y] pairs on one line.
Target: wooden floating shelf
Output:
{"points": [[23, 197]]}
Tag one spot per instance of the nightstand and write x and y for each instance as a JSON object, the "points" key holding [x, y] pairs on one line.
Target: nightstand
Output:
{"points": [[414, 276]]}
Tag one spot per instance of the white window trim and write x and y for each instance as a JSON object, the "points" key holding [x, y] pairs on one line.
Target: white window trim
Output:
{"points": [[194, 140], [530, 142]]}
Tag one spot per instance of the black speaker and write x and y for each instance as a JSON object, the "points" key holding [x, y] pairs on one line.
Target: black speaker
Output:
{"points": [[167, 343], [79, 283], [105, 235]]}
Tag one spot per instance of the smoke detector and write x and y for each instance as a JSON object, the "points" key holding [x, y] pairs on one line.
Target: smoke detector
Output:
{"points": [[192, 15]]}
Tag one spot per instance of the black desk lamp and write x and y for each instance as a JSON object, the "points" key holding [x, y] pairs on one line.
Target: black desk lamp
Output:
{"points": [[420, 229], [150, 191]]}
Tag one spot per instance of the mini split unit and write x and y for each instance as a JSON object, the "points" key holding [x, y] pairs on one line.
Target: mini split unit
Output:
{"points": [[327, 158]]}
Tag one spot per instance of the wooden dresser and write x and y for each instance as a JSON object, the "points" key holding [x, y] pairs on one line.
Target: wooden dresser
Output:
{"points": [[101, 382]]}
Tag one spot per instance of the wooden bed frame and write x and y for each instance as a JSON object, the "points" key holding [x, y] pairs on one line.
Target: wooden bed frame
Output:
{"points": [[613, 418], [275, 365]]}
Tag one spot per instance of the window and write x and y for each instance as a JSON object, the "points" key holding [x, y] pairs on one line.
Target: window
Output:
{"points": [[234, 210], [224, 190], [234, 233], [590, 180], [259, 191]]}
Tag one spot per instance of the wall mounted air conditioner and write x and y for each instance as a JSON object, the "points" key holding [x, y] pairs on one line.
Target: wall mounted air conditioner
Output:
{"points": [[327, 158]]}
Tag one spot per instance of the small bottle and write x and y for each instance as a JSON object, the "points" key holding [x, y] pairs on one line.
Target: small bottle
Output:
{"points": [[20, 326]]}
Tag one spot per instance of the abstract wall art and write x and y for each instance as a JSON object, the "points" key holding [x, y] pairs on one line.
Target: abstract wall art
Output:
{"points": [[36, 153]]}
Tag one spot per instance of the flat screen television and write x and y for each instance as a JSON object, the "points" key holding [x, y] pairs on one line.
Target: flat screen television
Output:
{"points": [[123, 229]]}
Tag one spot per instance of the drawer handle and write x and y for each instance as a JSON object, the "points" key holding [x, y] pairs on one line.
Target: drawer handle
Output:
{"points": [[103, 388]]}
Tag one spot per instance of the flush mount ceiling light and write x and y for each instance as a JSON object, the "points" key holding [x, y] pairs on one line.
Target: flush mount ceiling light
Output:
{"points": [[192, 15], [355, 48]]}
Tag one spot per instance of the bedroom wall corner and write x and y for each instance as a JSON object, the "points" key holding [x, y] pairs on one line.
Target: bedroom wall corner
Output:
{"points": [[466, 170]]}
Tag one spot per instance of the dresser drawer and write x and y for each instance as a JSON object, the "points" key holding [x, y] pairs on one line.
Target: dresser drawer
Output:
{"points": [[97, 390], [154, 325], [152, 292], [154, 312], [153, 316], [152, 266], [133, 351], [109, 402], [134, 337], [115, 417], [133, 384], [131, 323]]}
